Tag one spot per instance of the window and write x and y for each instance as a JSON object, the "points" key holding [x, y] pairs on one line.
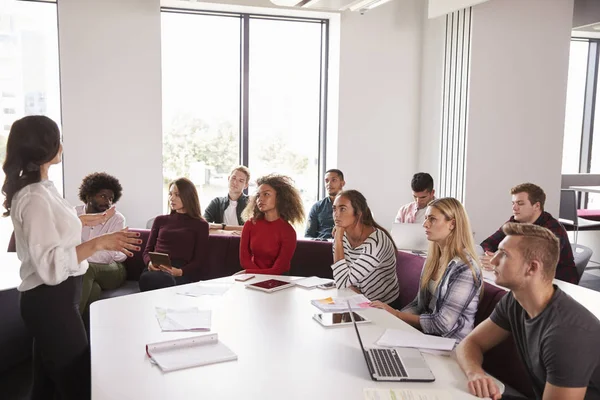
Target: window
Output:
{"points": [[243, 89], [28, 74]]}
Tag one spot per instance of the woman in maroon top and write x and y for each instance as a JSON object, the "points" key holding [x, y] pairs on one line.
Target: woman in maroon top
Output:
{"points": [[268, 239], [183, 235]]}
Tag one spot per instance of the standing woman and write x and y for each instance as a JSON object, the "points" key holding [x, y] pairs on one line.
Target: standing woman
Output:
{"points": [[48, 241], [183, 235], [451, 280], [364, 253], [268, 239]]}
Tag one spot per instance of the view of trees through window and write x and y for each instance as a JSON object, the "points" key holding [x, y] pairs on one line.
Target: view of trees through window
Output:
{"points": [[29, 78], [204, 103]]}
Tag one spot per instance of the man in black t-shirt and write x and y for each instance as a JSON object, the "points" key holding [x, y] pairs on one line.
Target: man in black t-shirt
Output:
{"points": [[557, 338]]}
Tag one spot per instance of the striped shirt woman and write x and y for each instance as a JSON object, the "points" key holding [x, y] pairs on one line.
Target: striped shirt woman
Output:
{"points": [[370, 267]]}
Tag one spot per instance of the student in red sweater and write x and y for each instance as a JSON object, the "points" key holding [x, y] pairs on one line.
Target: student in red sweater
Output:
{"points": [[183, 235], [268, 239]]}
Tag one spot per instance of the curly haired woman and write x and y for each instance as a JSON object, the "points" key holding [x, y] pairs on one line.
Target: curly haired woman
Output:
{"points": [[268, 239]]}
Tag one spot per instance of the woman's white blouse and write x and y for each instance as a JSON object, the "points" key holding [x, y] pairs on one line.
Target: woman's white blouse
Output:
{"points": [[47, 230]]}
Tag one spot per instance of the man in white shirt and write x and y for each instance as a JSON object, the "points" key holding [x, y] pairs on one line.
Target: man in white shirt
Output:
{"points": [[225, 213], [99, 192], [423, 193]]}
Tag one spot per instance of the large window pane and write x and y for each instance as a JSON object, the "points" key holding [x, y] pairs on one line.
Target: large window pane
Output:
{"points": [[285, 66], [574, 109], [201, 98], [29, 79]]}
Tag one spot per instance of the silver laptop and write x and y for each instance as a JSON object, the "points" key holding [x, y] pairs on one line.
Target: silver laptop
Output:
{"points": [[410, 237], [395, 365]]}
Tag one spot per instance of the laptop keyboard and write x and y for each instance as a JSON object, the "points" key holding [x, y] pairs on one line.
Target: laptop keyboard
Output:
{"points": [[387, 363]]}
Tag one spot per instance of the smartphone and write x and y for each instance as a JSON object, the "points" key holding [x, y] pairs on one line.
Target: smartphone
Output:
{"points": [[329, 285], [243, 277]]}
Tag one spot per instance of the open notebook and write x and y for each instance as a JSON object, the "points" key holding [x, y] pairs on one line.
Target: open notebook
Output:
{"points": [[189, 352]]}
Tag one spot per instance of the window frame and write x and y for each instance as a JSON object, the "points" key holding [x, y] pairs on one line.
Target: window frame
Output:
{"points": [[244, 136]]}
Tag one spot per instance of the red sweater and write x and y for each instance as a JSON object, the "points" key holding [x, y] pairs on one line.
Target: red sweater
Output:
{"points": [[184, 239], [267, 247]]}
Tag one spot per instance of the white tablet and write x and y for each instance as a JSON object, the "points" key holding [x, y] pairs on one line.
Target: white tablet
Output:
{"points": [[329, 320], [270, 285]]}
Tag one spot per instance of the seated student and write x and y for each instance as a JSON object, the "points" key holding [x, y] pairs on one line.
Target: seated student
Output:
{"points": [[528, 207], [320, 218], [451, 280], [423, 193], [364, 253], [100, 191], [225, 213], [268, 239], [183, 235], [557, 338]]}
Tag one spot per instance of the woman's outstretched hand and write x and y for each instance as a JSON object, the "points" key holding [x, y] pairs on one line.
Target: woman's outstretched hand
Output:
{"points": [[98, 218], [383, 306], [122, 241]]}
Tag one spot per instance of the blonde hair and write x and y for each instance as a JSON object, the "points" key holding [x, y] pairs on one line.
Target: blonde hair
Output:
{"points": [[537, 243], [459, 243], [243, 169]]}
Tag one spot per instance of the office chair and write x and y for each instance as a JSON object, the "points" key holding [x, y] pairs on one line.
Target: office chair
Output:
{"points": [[567, 215]]}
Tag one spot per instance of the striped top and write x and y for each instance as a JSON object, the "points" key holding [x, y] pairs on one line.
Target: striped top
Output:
{"points": [[370, 267]]}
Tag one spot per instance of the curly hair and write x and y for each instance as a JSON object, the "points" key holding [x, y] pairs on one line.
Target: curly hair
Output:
{"points": [[288, 201], [93, 183]]}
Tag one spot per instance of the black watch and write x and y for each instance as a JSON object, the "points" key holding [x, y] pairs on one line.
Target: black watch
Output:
{"points": [[223, 226]]}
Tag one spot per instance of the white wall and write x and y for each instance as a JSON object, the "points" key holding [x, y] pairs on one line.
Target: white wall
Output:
{"points": [[519, 65], [438, 8], [111, 99], [380, 67], [432, 76]]}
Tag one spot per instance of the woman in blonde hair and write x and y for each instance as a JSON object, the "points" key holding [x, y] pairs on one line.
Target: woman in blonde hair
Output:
{"points": [[451, 281], [268, 239]]}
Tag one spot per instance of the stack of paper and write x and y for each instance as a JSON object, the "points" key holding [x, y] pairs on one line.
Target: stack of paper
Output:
{"points": [[336, 304], [311, 282], [185, 319], [401, 338], [204, 290], [189, 352]]}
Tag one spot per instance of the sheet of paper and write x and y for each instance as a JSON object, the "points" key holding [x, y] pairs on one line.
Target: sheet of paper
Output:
{"points": [[312, 282], [335, 304], [406, 394], [185, 319], [401, 338], [201, 289]]}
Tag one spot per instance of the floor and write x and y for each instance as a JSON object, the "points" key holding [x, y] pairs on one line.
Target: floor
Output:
{"points": [[14, 384]]}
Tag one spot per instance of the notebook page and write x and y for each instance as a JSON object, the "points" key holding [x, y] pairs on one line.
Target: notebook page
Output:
{"points": [[405, 394]]}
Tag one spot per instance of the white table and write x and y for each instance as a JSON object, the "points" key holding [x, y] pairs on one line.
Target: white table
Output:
{"points": [[282, 352], [590, 189], [9, 271]]}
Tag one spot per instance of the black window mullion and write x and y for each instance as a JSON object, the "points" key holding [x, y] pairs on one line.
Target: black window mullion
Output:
{"points": [[244, 88], [322, 157]]}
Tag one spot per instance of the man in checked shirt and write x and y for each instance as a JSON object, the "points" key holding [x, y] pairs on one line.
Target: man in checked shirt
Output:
{"points": [[528, 207]]}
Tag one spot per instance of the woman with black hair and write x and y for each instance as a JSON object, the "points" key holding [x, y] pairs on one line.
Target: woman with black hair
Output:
{"points": [[53, 259], [183, 235], [364, 253]]}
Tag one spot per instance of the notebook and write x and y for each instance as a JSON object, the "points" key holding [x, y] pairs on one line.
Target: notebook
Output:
{"points": [[410, 237], [189, 352], [395, 365]]}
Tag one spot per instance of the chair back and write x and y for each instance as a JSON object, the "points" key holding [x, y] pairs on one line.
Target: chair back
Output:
{"points": [[582, 256], [568, 205]]}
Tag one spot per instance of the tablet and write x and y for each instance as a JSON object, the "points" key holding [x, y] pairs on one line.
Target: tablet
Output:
{"points": [[270, 285], [160, 259], [329, 320]]}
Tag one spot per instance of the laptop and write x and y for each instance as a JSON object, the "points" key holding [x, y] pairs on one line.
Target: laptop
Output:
{"points": [[394, 365], [410, 237]]}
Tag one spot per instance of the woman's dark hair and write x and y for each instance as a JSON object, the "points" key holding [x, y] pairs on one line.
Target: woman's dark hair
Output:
{"points": [[189, 197], [33, 141], [288, 200], [362, 210], [97, 181]]}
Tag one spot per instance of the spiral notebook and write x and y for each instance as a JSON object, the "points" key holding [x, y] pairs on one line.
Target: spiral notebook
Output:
{"points": [[189, 352]]}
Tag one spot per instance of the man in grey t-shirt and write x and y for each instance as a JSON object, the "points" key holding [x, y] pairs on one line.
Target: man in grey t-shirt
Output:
{"points": [[557, 338]]}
